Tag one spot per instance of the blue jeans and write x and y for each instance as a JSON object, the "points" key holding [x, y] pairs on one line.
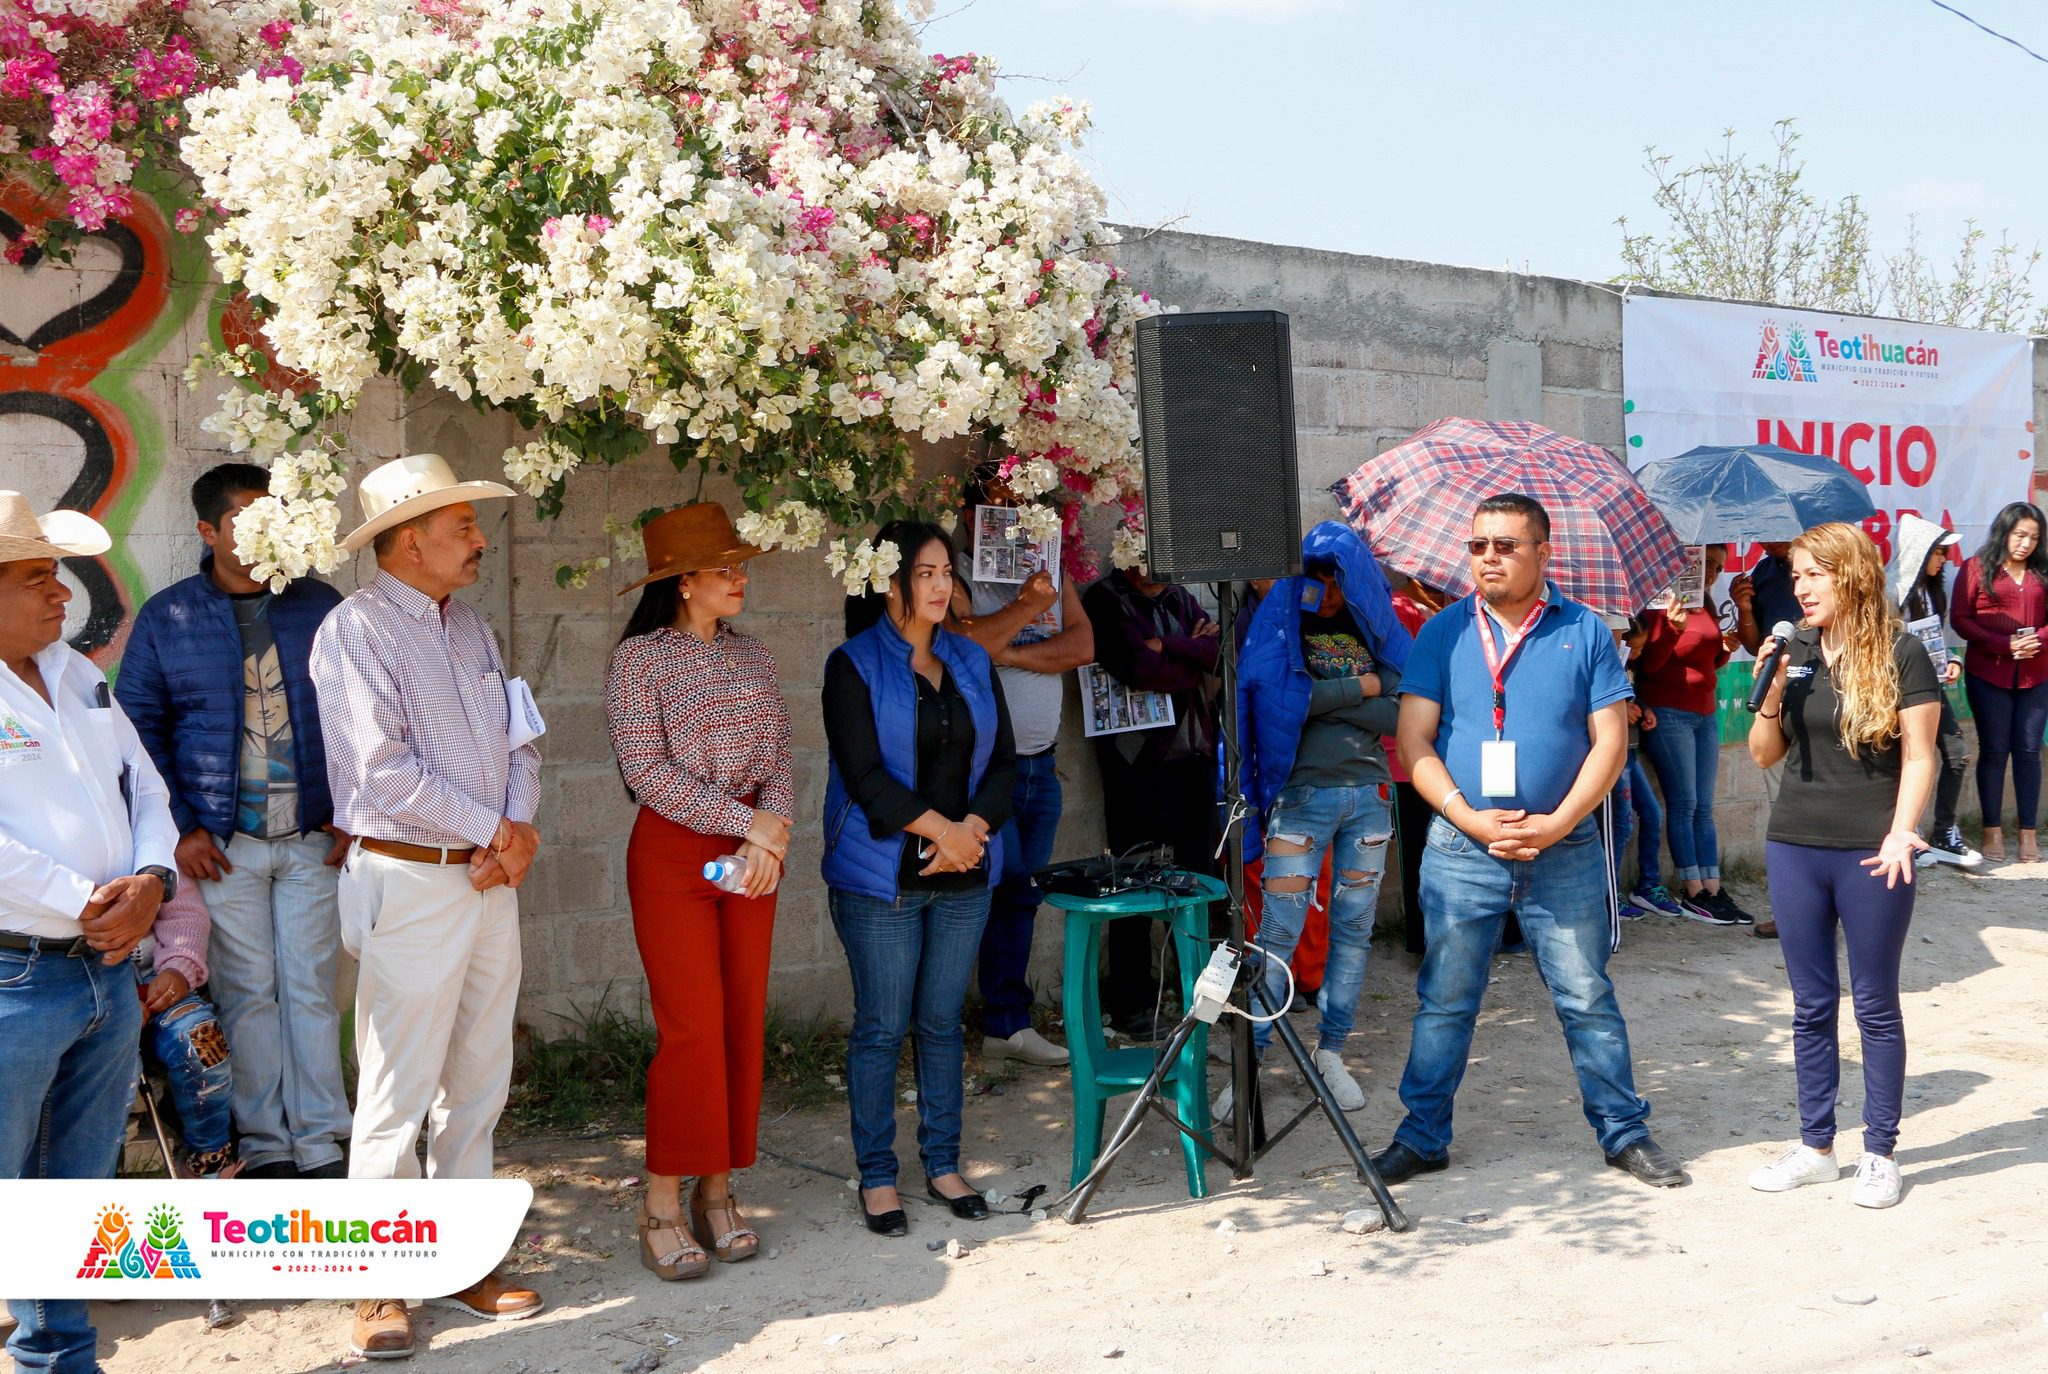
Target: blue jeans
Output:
{"points": [[1013, 907], [1637, 813], [1685, 749], [276, 933], [2009, 725], [1354, 824], [188, 1041], [910, 961], [1560, 898], [70, 1052]]}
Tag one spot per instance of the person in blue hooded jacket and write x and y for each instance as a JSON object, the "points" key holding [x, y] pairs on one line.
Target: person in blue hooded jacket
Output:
{"points": [[922, 769], [1315, 687]]}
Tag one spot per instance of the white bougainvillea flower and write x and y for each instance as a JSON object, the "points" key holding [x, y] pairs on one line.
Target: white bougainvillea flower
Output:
{"points": [[772, 235]]}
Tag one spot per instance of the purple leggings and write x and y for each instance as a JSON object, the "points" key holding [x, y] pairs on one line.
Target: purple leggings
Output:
{"points": [[1812, 892]]}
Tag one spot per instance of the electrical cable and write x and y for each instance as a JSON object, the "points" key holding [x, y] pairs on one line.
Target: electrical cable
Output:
{"points": [[2001, 37], [1285, 1002]]}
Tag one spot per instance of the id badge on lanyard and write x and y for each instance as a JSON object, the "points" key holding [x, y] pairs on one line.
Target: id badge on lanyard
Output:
{"points": [[1497, 755]]}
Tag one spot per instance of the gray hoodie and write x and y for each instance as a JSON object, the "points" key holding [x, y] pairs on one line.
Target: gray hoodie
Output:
{"points": [[1913, 538]]}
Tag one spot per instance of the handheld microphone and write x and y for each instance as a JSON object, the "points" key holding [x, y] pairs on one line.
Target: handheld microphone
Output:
{"points": [[1782, 632]]}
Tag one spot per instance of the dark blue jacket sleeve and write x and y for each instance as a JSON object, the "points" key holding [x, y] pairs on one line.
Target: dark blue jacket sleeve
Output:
{"points": [[140, 688]]}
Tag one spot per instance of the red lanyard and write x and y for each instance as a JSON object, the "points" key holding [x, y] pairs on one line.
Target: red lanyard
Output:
{"points": [[1497, 662]]}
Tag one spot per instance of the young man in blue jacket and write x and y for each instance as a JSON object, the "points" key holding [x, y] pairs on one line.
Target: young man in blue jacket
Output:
{"points": [[1315, 686], [215, 678]]}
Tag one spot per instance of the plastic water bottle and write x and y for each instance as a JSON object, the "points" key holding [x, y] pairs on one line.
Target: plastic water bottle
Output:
{"points": [[728, 873]]}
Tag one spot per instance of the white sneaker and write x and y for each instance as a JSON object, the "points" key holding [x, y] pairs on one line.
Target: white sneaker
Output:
{"points": [[1877, 1182], [1797, 1167], [1027, 1046], [1339, 1081]]}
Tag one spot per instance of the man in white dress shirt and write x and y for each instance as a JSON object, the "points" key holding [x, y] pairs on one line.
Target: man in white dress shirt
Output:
{"points": [[413, 709], [86, 851]]}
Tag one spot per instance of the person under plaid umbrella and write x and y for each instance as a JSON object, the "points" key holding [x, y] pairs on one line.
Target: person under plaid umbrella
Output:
{"points": [[1612, 549], [1512, 725]]}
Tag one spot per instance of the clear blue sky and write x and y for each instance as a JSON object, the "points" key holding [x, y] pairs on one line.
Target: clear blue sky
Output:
{"points": [[1498, 133]]}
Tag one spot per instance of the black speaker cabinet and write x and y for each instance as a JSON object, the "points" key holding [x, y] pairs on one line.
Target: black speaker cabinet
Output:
{"points": [[1216, 413]]}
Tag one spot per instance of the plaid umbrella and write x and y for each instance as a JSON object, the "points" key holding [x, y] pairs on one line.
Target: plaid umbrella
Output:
{"points": [[1610, 548]]}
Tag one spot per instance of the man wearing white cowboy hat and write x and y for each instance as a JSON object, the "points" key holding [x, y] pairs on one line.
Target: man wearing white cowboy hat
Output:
{"points": [[86, 848], [427, 778]]}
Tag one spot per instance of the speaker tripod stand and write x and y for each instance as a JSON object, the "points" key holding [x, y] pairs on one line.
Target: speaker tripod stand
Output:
{"points": [[1247, 1118]]}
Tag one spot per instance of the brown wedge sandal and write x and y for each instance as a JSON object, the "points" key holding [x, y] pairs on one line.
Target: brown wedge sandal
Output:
{"points": [[732, 1240], [669, 1262]]}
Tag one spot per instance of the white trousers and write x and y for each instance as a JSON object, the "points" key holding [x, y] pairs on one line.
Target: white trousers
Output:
{"points": [[436, 987]]}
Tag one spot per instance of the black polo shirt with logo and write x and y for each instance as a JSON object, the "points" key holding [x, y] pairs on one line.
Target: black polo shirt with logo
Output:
{"points": [[1828, 799]]}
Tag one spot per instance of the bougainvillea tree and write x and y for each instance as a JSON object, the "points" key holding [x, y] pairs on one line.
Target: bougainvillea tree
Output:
{"points": [[91, 91], [773, 236]]}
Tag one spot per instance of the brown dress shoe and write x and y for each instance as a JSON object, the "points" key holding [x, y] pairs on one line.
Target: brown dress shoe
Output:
{"points": [[1765, 930], [493, 1299], [383, 1330]]}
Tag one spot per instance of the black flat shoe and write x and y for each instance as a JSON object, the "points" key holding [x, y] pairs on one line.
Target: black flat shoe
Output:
{"points": [[973, 1207], [1650, 1164], [1397, 1164], [890, 1223]]}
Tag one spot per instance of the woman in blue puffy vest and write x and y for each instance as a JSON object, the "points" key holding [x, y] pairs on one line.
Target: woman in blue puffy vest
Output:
{"points": [[922, 766]]}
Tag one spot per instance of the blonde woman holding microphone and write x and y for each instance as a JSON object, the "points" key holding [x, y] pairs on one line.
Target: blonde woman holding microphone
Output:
{"points": [[1852, 711]]}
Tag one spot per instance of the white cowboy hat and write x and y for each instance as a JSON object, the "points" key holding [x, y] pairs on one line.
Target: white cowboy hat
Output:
{"points": [[60, 534], [395, 492]]}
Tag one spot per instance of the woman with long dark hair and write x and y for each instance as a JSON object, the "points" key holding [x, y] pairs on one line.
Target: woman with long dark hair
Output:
{"points": [[702, 737], [2000, 607], [1852, 711], [922, 763], [1677, 677]]}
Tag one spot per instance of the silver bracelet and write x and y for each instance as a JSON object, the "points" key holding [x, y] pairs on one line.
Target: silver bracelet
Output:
{"points": [[1444, 807]]}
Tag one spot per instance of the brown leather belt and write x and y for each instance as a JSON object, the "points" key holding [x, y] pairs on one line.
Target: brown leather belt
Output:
{"points": [[417, 853]]}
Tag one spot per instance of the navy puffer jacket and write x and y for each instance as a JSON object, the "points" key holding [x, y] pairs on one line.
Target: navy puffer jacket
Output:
{"points": [[181, 683]]}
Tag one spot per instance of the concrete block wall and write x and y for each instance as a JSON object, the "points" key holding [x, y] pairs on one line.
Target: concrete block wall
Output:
{"points": [[1383, 346], [94, 411]]}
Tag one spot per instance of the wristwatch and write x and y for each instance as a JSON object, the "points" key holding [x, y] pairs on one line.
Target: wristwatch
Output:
{"points": [[167, 876]]}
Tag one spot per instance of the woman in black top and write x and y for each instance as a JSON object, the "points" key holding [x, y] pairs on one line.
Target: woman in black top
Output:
{"points": [[1852, 711], [922, 763]]}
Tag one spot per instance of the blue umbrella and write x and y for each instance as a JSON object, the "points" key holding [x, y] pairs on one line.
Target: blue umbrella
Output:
{"points": [[1751, 493]]}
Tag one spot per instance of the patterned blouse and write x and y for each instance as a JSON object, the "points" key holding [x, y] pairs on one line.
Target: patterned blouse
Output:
{"points": [[701, 730]]}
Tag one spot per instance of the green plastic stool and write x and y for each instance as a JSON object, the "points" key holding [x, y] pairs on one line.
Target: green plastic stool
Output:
{"points": [[1100, 1072]]}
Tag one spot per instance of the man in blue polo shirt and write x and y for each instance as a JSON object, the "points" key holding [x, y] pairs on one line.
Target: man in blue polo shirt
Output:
{"points": [[1512, 727]]}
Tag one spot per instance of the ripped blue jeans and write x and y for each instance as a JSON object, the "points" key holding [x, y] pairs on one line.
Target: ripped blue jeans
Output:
{"points": [[1354, 824], [187, 1038]]}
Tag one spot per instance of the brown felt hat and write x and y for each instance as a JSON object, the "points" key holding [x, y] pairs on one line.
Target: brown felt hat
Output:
{"points": [[690, 539]]}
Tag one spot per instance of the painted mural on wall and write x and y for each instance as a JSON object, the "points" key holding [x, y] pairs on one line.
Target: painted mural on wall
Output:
{"points": [[76, 430]]}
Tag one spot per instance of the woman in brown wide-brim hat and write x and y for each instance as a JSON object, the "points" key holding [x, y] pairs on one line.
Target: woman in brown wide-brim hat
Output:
{"points": [[702, 737]]}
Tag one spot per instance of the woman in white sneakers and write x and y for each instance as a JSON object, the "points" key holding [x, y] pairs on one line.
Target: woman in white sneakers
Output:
{"points": [[1852, 711]]}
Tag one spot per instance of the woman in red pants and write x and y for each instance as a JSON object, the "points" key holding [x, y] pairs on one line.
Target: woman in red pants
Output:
{"points": [[702, 737]]}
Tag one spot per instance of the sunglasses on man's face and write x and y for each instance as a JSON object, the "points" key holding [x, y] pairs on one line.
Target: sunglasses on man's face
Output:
{"points": [[1478, 545]]}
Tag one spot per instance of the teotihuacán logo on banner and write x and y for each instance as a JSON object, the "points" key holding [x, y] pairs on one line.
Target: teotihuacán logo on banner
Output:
{"points": [[161, 1253], [1783, 359], [351, 1238]]}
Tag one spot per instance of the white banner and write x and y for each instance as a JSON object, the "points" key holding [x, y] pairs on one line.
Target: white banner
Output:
{"points": [[254, 1238], [1935, 421]]}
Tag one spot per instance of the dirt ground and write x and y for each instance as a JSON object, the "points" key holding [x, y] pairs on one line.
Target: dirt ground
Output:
{"points": [[1529, 1254]]}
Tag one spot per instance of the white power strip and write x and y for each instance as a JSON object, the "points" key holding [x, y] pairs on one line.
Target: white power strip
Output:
{"points": [[1212, 989]]}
